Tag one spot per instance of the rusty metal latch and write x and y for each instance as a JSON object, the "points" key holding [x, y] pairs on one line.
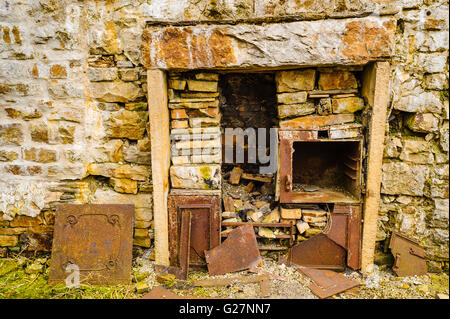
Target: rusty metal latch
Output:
{"points": [[288, 183]]}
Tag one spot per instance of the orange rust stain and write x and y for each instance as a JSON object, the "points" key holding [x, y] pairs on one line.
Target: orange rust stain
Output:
{"points": [[6, 36], [180, 48], [146, 45], [221, 48], [173, 47], [364, 40], [199, 54], [35, 71], [16, 33]]}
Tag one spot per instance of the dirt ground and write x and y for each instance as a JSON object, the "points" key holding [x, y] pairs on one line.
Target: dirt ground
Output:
{"points": [[21, 277]]}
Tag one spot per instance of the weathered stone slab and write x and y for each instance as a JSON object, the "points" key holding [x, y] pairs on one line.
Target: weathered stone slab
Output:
{"points": [[402, 178], [316, 121], [347, 105], [128, 124], [292, 98], [338, 80], [195, 177], [297, 80], [116, 91], [332, 41], [296, 109], [422, 122]]}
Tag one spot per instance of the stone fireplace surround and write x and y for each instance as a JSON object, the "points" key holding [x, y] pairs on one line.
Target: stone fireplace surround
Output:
{"points": [[232, 48]]}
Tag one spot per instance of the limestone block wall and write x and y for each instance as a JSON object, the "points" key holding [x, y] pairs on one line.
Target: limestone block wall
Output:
{"points": [[72, 103]]}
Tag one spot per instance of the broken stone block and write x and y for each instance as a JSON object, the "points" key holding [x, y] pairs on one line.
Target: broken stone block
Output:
{"points": [[11, 134], [291, 213], [292, 98], [347, 105], [324, 107], [313, 219], [195, 177], [266, 232], [116, 91], [123, 185], [255, 217], [235, 175], [177, 84], [8, 241], [317, 121], [302, 227], [142, 287], [138, 173], [313, 212], [337, 80], [403, 178], [102, 74], [297, 80], [312, 231], [127, 124], [207, 76], [422, 122], [112, 151], [202, 86], [292, 110], [273, 217]]}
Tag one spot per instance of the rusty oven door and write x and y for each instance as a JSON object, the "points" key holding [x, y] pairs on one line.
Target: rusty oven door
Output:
{"points": [[205, 226]]}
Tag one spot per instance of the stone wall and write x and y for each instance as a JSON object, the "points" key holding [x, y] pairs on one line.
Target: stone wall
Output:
{"points": [[73, 98]]}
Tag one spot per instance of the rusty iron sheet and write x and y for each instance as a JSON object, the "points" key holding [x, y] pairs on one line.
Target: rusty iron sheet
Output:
{"points": [[327, 282], [98, 239], [238, 252], [336, 229], [354, 237], [409, 256], [185, 242], [205, 226], [318, 252]]}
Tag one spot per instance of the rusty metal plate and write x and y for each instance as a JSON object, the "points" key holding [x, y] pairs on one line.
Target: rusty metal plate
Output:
{"points": [[326, 282], [205, 226], [238, 252], [336, 229], [354, 237], [318, 252], [96, 238], [185, 242], [409, 256]]}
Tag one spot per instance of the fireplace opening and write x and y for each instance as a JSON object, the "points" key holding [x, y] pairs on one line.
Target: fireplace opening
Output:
{"points": [[248, 101], [326, 171]]}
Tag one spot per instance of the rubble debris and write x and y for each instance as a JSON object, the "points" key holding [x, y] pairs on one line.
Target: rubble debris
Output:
{"points": [[265, 287], [235, 175], [212, 282], [327, 283], [409, 256], [98, 239], [257, 178], [228, 204], [239, 251], [174, 271], [162, 293]]}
